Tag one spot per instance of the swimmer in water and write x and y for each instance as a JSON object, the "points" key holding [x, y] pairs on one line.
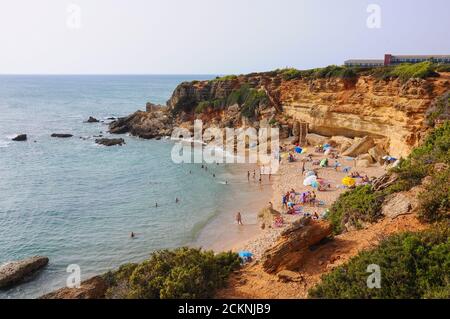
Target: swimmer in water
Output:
{"points": [[132, 235], [176, 200]]}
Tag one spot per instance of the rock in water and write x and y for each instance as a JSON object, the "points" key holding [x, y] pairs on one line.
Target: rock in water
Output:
{"points": [[110, 141], [92, 120], [16, 271], [20, 138], [292, 247], [60, 135], [94, 288]]}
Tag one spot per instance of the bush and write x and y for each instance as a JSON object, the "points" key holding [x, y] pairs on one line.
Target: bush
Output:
{"points": [[439, 110], [331, 71], [413, 265], [183, 273], [435, 200], [406, 71], [443, 68], [354, 207], [226, 78]]}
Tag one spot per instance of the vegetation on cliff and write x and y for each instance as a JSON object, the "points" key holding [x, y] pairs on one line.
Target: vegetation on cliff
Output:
{"points": [[403, 72], [439, 111], [183, 273], [412, 265], [432, 158], [249, 99], [355, 207], [331, 71]]}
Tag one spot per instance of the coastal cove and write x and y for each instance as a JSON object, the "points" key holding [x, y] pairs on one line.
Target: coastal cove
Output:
{"points": [[77, 202]]}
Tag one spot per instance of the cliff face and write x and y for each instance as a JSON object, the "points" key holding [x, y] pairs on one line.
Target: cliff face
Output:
{"points": [[391, 111]]}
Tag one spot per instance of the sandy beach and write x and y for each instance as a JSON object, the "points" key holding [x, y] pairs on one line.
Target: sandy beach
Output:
{"points": [[290, 177]]}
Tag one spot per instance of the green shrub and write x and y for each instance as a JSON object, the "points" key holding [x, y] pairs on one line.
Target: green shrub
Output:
{"points": [[443, 68], [183, 273], [226, 78], [331, 71], [406, 71], [291, 74], [439, 110], [413, 265], [435, 200], [359, 205]]}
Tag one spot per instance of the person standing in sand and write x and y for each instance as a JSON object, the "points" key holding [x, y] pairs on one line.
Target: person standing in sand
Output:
{"points": [[248, 175], [239, 218]]}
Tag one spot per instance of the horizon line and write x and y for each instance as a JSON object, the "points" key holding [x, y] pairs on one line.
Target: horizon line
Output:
{"points": [[114, 74]]}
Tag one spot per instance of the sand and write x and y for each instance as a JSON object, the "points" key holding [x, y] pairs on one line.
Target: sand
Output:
{"points": [[290, 176]]}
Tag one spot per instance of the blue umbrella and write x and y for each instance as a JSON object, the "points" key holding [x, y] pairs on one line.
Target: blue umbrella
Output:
{"points": [[245, 254], [298, 150]]}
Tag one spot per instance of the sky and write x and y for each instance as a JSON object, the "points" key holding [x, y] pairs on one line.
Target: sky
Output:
{"points": [[212, 36]]}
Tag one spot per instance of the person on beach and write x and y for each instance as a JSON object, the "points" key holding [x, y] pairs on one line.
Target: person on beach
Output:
{"points": [[260, 178], [303, 168], [284, 201], [336, 165], [239, 218], [313, 198], [254, 174], [248, 175]]}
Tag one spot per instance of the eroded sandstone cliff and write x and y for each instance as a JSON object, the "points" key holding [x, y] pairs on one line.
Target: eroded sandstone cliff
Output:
{"points": [[390, 111]]}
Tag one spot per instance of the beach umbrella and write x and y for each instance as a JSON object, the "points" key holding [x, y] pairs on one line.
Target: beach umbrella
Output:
{"points": [[348, 181], [298, 150], [315, 184], [310, 173], [245, 254], [309, 180]]}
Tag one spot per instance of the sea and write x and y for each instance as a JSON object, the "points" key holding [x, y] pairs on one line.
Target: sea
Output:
{"points": [[77, 202]]}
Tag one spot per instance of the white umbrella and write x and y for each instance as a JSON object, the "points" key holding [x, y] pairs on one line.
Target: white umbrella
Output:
{"points": [[309, 180]]}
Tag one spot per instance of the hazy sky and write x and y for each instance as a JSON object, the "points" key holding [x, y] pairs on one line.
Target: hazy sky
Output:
{"points": [[210, 36]]}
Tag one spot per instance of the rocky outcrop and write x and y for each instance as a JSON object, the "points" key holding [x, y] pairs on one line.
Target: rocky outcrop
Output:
{"points": [[290, 250], [94, 288], [14, 272], [92, 120], [359, 147], [61, 135], [146, 125], [110, 141], [20, 138], [390, 112], [316, 139]]}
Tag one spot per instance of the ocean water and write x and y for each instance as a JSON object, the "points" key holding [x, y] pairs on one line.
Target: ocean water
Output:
{"points": [[77, 202]]}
